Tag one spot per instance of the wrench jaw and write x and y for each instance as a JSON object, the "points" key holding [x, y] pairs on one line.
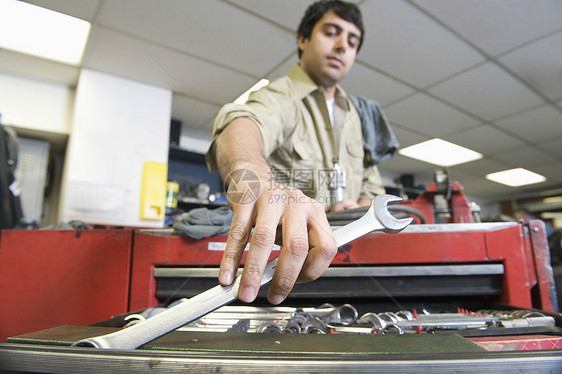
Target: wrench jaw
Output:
{"points": [[390, 223], [89, 343]]}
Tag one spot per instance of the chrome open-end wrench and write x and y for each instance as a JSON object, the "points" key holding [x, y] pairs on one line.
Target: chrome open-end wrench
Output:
{"points": [[377, 218]]}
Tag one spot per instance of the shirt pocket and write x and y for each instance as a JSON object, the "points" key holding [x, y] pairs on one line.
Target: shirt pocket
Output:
{"points": [[355, 150], [306, 153], [306, 164]]}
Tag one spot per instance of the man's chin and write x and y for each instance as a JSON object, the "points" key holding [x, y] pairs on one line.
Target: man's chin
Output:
{"points": [[333, 77]]}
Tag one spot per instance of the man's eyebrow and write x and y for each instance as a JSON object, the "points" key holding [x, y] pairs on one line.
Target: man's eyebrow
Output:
{"points": [[339, 29], [330, 24]]}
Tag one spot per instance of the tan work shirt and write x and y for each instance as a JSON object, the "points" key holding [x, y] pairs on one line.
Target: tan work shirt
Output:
{"points": [[300, 142]]}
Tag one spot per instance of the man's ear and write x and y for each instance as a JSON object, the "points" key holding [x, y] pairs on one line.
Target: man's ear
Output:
{"points": [[301, 41]]}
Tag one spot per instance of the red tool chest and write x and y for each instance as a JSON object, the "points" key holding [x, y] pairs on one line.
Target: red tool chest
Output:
{"points": [[520, 251], [50, 278]]}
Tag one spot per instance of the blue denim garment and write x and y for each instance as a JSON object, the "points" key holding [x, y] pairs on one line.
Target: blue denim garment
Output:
{"points": [[379, 140]]}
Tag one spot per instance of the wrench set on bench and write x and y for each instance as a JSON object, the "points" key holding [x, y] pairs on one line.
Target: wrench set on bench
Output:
{"points": [[377, 218], [344, 319], [200, 311]]}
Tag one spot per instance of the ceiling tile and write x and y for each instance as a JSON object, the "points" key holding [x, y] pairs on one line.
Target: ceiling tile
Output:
{"points": [[486, 140], [405, 43], [38, 67], [193, 113], [553, 146], [551, 171], [287, 12], [488, 92], [115, 53], [118, 54], [481, 187], [83, 9], [283, 68], [426, 115], [497, 26], [363, 81], [407, 165], [233, 38], [525, 157], [461, 177], [479, 167], [535, 125], [473, 185], [543, 73], [406, 137]]}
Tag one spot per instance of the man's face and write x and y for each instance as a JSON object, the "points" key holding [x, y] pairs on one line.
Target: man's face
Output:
{"points": [[330, 52]]}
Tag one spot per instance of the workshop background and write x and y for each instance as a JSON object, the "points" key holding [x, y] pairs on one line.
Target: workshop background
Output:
{"points": [[483, 74], [115, 141]]}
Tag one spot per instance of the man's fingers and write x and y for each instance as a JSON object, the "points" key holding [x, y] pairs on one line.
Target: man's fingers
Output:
{"points": [[242, 222], [291, 259], [261, 244], [323, 249], [307, 240]]}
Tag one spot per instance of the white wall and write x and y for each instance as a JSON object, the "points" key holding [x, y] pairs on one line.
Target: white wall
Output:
{"points": [[117, 126], [35, 104]]}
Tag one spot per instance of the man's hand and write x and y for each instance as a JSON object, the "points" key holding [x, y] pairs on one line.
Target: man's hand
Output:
{"points": [[275, 212], [278, 212]]}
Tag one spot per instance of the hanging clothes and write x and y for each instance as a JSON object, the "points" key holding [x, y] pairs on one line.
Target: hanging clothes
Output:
{"points": [[10, 203]]}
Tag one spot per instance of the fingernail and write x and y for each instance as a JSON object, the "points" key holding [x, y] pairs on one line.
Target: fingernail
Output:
{"points": [[248, 294], [226, 278], [276, 299]]}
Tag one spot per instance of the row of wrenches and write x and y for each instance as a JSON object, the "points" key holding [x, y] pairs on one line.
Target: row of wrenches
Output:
{"points": [[344, 319]]}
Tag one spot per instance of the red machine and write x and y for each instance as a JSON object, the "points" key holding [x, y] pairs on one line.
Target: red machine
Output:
{"points": [[455, 208]]}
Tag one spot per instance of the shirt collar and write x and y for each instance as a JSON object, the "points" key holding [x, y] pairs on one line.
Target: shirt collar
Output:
{"points": [[304, 86]]}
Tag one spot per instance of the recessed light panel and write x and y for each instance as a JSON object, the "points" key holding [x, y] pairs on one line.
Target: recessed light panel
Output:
{"points": [[440, 152], [516, 177], [41, 32]]}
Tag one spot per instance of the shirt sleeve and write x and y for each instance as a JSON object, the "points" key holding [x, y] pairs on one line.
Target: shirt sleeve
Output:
{"points": [[269, 108], [372, 183]]}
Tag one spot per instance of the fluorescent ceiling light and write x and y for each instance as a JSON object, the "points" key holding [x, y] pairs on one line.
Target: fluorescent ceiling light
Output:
{"points": [[552, 200], [244, 97], [554, 216], [440, 152], [37, 31], [516, 177]]}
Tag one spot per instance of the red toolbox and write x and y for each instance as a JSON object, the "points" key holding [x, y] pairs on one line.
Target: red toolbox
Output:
{"points": [[53, 277]]}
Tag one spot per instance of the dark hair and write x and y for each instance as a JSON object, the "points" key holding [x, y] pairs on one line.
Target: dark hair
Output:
{"points": [[347, 11]]}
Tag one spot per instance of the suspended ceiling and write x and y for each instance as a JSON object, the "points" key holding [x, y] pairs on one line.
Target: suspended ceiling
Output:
{"points": [[484, 74]]}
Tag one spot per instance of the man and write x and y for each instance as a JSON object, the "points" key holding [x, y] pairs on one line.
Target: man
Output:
{"points": [[278, 152]]}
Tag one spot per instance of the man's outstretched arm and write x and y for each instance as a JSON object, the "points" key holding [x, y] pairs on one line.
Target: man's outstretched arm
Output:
{"points": [[274, 211]]}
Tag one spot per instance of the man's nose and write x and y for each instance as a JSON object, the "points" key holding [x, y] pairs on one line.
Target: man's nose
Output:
{"points": [[341, 43]]}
